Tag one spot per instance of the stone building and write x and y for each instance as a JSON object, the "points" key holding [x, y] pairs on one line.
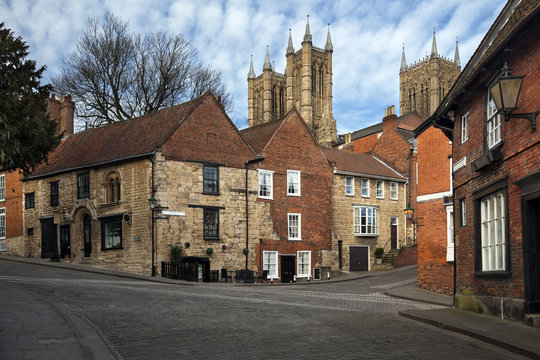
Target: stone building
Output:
{"points": [[295, 180], [368, 198], [306, 85], [497, 182], [91, 201], [423, 84]]}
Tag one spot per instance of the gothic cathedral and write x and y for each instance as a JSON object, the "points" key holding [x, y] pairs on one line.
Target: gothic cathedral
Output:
{"points": [[306, 86], [423, 84]]}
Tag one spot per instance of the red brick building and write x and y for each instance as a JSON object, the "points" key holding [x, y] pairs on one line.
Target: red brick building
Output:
{"points": [[296, 179], [497, 182], [434, 210]]}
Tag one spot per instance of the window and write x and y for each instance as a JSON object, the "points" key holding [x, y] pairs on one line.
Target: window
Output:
{"points": [[29, 200], [270, 259], [2, 223], [304, 264], [2, 187], [210, 179], [449, 233], [30, 231], [393, 191], [83, 186], [493, 233], [111, 233], [295, 227], [365, 220], [112, 188], [380, 189], [293, 182], [463, 212], [493, 125], [365, 187], [266, 184], [54, 193], [211, 224], [349, 185], [464, 127]]}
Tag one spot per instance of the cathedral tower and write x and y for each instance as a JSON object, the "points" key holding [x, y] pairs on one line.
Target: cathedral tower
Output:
{"points": [[305, 85], [423, 84]]}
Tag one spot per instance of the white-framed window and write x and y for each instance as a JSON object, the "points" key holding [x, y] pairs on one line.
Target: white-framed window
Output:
{"points": [[493, 232], [463, 212], [2, 223], [2, 187], [366, 220], [295, 226], [266, 183], [293, 182], [464, 127], [349, 185], [365, 187], [303, 264], [380, 189], [449, 233], [270, 263], [393, 190], [493, 125]]}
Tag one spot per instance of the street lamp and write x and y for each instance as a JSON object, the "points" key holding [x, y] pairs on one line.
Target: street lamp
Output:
{"points": [[505, 93], [155, 208], [409, 214]]}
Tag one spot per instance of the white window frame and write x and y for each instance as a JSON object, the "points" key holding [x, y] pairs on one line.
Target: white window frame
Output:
{"points": [[381, 196], [366, 187], [493, 232], [370, 227], [261, 175], [299, 273], [394, 191], [289, 226], [3, 223], [271, 255], [465, 127], [291, 175], [2, 187], [349, 189], [493, 123], [450, 233], [463, 212]]}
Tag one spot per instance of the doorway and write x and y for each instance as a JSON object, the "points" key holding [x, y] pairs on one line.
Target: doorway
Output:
{"points": [[65, 242], [358, 258], [393, 232], [87, 233], [49, 245], [531, 226], [287, 268]]}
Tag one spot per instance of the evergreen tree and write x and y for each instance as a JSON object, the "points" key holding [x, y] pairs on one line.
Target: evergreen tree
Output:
{"points": [[27, 134]]}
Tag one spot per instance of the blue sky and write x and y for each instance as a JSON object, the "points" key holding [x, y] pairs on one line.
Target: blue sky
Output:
{"points": [[367, 38]]}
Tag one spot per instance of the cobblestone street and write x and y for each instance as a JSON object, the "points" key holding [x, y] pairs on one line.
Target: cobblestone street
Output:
{"points": [[146, 320]]}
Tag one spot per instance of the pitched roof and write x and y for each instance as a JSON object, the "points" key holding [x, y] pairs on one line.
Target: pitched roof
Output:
{"points": [[259, 136], [405, 122], [361, 164], [122, 140]]}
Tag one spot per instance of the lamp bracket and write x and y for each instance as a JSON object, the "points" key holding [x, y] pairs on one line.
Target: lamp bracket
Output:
{"points": [[529, 116]]}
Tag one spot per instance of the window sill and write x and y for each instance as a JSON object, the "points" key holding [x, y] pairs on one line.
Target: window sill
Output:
{"points": [[266, 198], [211, 193], [380, 198], [297, 195], [110, 249], [110, 204], [366, 235], [491, 156], [211, 238], [349, 194], [493, 274], [294, 239]]}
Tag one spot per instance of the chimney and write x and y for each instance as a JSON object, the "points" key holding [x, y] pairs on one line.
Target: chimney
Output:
{"points": [[67, 113], [54, 111], [390, 119]]}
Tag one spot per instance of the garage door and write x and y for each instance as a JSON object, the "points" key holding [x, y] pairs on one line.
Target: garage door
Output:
{"points": [[358, 258]]}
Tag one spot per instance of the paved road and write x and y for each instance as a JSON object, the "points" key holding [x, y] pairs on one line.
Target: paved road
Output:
{"points": [[145, 320]]}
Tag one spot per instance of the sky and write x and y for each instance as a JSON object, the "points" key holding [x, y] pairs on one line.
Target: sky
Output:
{"points": [[367, 36]]}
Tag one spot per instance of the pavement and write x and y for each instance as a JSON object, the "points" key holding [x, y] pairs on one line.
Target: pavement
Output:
{"points": [[69, 335]]}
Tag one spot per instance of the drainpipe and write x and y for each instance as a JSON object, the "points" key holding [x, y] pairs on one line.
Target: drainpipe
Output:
{"points": [[153, 217], [456, 207], [259, 158]]}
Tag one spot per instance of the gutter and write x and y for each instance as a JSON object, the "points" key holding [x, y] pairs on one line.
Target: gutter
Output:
{"points": [[352, 173]]}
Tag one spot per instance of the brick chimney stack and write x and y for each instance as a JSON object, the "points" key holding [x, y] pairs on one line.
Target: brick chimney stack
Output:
{"points": [[62, 110], [390, 119]]}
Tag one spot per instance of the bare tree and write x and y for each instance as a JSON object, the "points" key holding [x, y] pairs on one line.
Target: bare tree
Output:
{"points": [[115, 75]]}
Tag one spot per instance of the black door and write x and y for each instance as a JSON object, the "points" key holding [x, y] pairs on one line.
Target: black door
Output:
{"points": [[358, 258], [49, 246], [65, 242], [87, 231], [532, 247], [393, 236], [287, 268]]}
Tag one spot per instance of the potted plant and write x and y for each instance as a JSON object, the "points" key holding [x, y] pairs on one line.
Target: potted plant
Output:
{"points": [[176, 254], [209, 251], [379, 253]]}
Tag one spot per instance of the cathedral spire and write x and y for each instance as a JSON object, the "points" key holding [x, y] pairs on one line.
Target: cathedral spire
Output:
{"points": [[434, 45], [251, 73], [290, 49], [456, 55], [307, 35], [403, 62], [329, 46], [267, 65]]}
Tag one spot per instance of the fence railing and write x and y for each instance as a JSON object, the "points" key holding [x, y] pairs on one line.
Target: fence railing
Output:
{"points": [[188, 272]]}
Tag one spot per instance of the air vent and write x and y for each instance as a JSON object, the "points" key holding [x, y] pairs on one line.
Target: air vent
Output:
{"points": [[126, 218]]}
